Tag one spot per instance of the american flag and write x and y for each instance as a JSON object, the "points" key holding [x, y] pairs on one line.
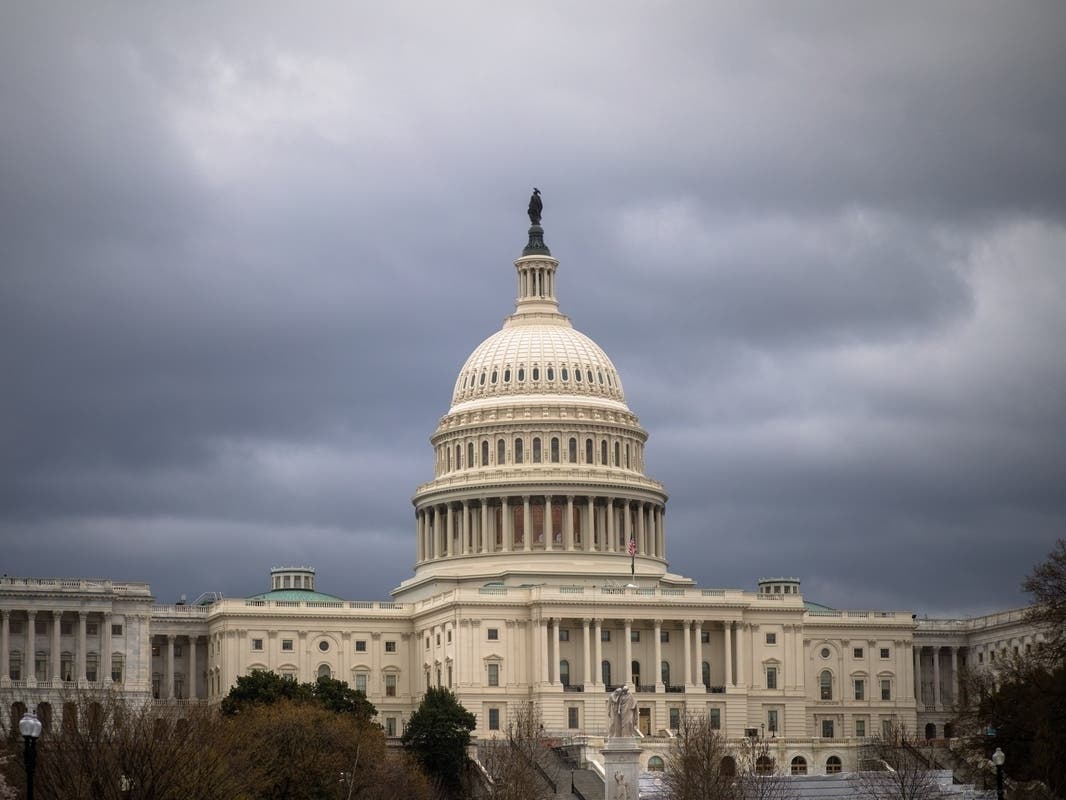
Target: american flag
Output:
{"points": [[631, 548]]}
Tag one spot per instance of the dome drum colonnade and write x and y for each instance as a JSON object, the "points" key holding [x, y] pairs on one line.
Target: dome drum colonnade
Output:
{"points": [[539, 452]]}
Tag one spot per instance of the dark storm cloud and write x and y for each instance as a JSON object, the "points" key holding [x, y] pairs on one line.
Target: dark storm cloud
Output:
{"points": [[246, 249]]}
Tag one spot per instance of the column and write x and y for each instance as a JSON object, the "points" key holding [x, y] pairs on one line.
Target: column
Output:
{"points": [[557, 645], [597, 639], [549, 531], [698, 642], [936, 679], [611, 544], [628, 671], [527, 524], [954, 676], [627, 523], [728, 636], [105, 650], [918, 675], [192, 667], [55, 657], [466, 527], [508, 525], [642, 546], [450, 533], [79, 675], [5, 638], [568, 523], [484, 545], [589, 529], [542, 630], [434, 535], [688, 651], [742, 675], [658, 634], [587, 677], [30, 659], [168, 677]]}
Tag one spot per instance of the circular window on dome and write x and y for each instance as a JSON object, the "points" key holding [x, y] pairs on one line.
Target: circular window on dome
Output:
{"points": [[521, 374], [551, 374], [323, 646], [825, 652], [536, 373], [507, 376], [565, 374], [494, 376]]}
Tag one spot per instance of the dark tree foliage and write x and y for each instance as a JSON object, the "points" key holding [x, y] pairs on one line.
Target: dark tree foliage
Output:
{"points": [[1047, 584], [264, 688], [438, 734], [335, 695]]}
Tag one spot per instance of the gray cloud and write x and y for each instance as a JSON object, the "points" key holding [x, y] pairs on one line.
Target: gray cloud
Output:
{"points": [[245, 250]]}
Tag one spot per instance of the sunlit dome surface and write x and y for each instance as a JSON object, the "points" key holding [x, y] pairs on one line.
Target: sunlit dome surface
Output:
{"points": [[538, 359]]}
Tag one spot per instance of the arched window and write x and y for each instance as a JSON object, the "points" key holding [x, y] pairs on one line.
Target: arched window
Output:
{"points": [[44, 714], [825, 682], [469, 454], [588, 451], [40, 665], [536, 449], [664, 670], [832, 765], [572, 451], [551, 373], [521, 374], [728, 767], [485, 453], [92, 662], [627, 456], [577, 374], [118, 661], [605, 672], [635, 667], [458, 456], [507, 375], [325, 672], [764, 765], [501, 451], [617, 454], [799, 765], [518, 451], [656, 764], [603, 452], [930, 731], [707, 674], [566, 374], [564, 672], [555, 450]]}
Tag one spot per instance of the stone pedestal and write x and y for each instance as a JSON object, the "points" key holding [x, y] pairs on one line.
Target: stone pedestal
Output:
{"points": [[621, 768]]}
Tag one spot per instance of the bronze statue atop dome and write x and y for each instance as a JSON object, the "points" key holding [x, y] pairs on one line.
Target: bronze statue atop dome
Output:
{"points": [[535, 207]]}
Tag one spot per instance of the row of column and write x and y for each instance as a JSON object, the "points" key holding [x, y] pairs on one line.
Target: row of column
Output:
{"points": [[167, 662], [938, 700], [483, 526], [55, 649]]}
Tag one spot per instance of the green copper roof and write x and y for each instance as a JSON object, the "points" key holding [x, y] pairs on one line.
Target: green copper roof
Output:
{"points": [[290, 595], [812, 606]]}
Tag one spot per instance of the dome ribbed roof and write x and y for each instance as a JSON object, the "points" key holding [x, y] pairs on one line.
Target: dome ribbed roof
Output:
{"points": [[538, 359]]}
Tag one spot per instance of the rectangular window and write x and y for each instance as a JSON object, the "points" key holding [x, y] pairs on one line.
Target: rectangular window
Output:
{"points": [[116, 630], [634, 636], [390, 647], [716, 719], [360, 645], [449, 636], [857, 652], [827, 729], [427, 642], [91, 628], [675, 718], [664, 636], [494, 674], [573, 718], [884, 652], [390, 726], [886, 729], [705, 637], [390, 685], [155, 650], [14, 627], [40, 628], [605, 635], [860, 689], [257, 644], [860, 728], [286, 645], [494, 719], [771, 720], [771, 638], [564, 635], [360, 683], [493, 634], [886, 689], [177, 650], [980, 658], [66, 628], [771, 677], [438, 640]]}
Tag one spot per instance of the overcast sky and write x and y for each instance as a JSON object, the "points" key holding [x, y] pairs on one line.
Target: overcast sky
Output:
{"points": [[245, 249]]}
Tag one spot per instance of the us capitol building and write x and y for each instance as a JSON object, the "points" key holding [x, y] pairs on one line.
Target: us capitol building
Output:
{"points": [[540, 576]]}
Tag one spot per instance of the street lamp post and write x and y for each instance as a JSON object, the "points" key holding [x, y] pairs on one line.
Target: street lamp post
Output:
{"points": [[999, 758], [30, 728], [571, 781]]}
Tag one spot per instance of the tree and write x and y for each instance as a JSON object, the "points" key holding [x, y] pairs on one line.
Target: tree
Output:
{"points": [[511, 763], [758, 773], [1047, 584], [438, 734], [263, 687], [699, 766], [892, 770], [336, 695]]}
